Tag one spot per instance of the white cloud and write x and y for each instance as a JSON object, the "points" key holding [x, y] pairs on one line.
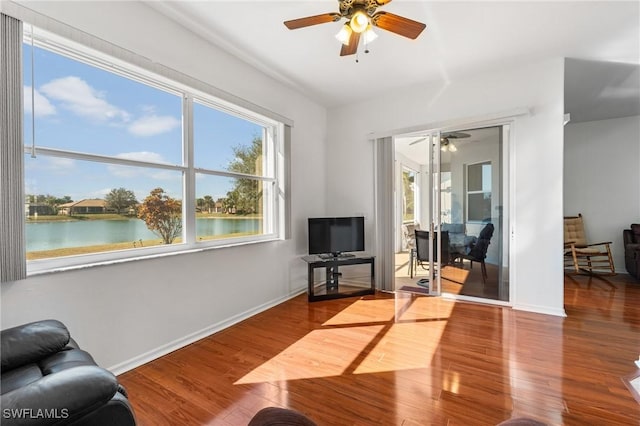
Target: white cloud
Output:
{"points": [[78, 96], [152, 157], [150, 125], [54, 165], [61, 163], [42, 105], [98, 193]]}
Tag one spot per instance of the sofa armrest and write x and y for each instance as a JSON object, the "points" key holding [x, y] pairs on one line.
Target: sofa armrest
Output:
{"points": [[631, 248], [31, 342], [59, 398]]}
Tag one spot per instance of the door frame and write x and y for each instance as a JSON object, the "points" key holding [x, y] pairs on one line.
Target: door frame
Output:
{"points": [[384, 189]]}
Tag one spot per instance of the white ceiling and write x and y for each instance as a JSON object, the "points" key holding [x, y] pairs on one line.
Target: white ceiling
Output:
{"points": [[461, 39]]}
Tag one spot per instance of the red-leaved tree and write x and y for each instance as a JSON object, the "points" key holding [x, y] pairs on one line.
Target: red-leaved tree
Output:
{"points": [[162, 214]]}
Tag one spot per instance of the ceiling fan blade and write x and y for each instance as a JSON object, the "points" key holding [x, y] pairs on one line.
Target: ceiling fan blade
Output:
{"points": [[312, 20], [398, 24], [353, 45], [456, 135], [417, 141]]}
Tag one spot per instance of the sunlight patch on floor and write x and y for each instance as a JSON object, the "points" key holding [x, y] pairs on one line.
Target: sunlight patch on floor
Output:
{"points": [[368, 336], [404, 346], [307, 358], [427, 308], [367, 311]]}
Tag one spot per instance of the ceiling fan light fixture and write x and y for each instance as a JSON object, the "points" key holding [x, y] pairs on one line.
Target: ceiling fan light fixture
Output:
{"points": [[369, 35], [359, 21], [344, 34], [447, 146]]}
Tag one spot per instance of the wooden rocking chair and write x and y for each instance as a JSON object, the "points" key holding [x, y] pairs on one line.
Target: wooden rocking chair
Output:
{"points": [[579, 256]]}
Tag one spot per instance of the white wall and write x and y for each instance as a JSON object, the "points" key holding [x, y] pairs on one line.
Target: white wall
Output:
{"points": [[602, 178], [537, 142], [126, 313], [473, 153]]}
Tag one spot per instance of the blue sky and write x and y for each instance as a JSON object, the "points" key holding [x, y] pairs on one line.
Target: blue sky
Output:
{"points": [[86, 109]]}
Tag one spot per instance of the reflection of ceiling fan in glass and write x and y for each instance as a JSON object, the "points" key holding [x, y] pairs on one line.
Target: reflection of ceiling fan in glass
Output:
{"points": [[446, 145]]}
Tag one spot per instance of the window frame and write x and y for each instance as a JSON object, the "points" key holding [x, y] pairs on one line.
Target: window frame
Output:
{"points": [[474, 192], [416, 193], [277, 156]]}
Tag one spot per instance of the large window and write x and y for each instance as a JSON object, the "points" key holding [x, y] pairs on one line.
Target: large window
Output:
{"points": [[120, 162]]}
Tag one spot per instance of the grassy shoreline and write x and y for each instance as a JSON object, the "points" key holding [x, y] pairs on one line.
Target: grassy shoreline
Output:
{"points": [[127, 245], [114, 216]]}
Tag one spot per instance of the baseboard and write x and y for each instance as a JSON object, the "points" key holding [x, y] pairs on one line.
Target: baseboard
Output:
{"points": [[540, 310], [198, 335]]}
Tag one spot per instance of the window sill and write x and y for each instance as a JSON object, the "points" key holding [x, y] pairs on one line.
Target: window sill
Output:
{"points": [[186, 250]]}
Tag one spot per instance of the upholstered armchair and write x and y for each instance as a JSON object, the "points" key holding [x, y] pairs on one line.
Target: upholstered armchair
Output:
{"points": [[631, 239], [47, 379], [478, 251]]}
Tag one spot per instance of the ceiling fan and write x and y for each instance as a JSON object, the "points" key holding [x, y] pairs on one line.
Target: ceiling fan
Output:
{"points": [[445, 143], [361, 16]]}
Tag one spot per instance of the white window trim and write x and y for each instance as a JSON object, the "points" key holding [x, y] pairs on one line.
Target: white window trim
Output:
{"points": [[274, 128], [416, 193], [467, 192]]}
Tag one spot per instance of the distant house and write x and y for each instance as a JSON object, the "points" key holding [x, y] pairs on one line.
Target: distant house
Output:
{"points": [[91, 206], [44, 209]]}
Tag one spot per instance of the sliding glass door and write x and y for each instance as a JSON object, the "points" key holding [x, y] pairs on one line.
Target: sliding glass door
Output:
{"points": [[460, 246], [418, 246]]}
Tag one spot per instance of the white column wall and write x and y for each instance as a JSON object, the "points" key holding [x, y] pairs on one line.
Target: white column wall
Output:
{"points": [[602, 178], [537, 141], [129, 313]]}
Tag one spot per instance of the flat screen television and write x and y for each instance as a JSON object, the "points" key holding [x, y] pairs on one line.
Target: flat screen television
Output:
{"points": [[333, 236]]}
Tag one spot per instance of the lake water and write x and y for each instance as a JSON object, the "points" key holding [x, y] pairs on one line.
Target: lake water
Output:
{"points": [[54, 235]]}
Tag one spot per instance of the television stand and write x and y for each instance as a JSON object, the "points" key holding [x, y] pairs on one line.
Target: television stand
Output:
{"points": [[326, 256], [336, 283]]}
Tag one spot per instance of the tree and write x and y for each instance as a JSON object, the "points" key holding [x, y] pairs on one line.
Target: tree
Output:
{"points": [[208, 201], [162, 214], [64, 200], [246, 194], [120, 199]]}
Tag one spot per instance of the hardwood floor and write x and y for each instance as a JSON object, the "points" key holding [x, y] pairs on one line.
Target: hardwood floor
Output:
{"points": [[459, 278], [408, 360]]}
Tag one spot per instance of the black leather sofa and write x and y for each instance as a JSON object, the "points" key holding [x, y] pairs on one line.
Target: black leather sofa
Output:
{"points": [[631, 239], [276, 416], [48, 380]]}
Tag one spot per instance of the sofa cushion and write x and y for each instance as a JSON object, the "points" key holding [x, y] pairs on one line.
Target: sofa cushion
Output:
{"points": [[64, 360], [635, 228], [31, 342], [521, 421], [73, 393], [574, 231], [632, 247], [276, 416], [18, 377]]}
